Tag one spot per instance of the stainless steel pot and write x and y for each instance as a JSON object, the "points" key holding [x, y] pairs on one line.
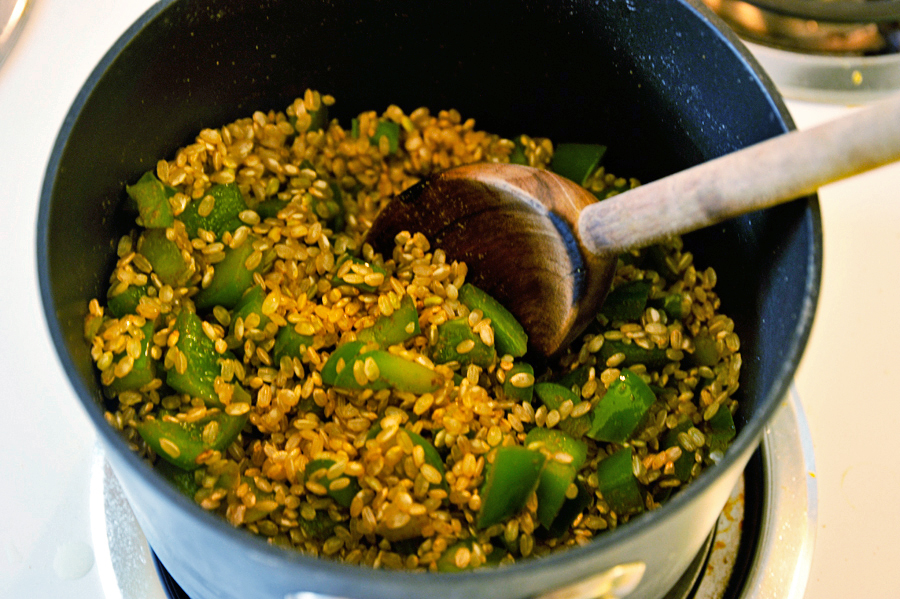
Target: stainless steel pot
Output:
{"points": [[660, 82]]}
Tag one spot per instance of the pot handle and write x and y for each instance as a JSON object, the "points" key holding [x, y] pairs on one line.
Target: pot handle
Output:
{"points": [[615, 583]]}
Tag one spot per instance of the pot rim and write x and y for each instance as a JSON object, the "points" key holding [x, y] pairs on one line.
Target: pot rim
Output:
{"points": [[744, 444]]}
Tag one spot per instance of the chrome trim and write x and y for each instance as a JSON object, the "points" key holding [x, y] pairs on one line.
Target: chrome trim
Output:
{"points": [[788, 529]]}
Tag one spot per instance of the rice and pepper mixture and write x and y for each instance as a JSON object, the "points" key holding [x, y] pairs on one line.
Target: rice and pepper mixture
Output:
{"points": [[390, 452]]}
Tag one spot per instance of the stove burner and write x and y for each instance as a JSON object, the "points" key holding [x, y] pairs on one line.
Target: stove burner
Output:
{"points": [[821, 50], [816, 27]]}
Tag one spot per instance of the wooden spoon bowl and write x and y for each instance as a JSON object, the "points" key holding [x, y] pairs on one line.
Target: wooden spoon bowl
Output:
{"points": [[499, 218]]}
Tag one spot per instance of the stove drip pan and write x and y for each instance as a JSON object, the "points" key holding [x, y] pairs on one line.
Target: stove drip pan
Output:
{"points": [[843, 51], [761, 546]]}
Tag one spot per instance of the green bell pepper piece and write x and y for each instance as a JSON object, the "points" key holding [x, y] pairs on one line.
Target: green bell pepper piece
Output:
{"points": [[577, 377], [617, 484], [388, 129], [341, 358], [674, 304], [517, 156], [575, 161], [570, 510], [508, 483], [152, 199], [627, 301], [183, 479], [224, 216], [250, 303], [127, 301], [230, 279], [188, 437], [705, 351], [557, 476], [453, 332], [164, 256], [553, 395], [511, 391], [621, 409], [654, 357], [202, 363], [684, 464], [270, 208], [343, 496], [288, 342], [509, 336], [722, 429], [395, 372], [144, 369], [400, 325]]}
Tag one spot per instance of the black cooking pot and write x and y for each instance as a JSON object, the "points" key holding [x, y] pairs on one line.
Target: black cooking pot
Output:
{"points": [[659, 82]]}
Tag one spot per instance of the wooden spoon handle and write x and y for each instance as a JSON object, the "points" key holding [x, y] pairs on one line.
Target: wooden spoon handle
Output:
{"points": [[771, 172]]}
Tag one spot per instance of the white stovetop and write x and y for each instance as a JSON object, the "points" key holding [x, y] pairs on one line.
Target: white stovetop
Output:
{"points": [[846, 381]]}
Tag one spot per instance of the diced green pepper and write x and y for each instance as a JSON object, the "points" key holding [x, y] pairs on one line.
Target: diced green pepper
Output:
{"points": [[627, 301], [250, 303], [361, 286], [394, 372], [319, 119], [517, 156], [198, 379], [152, 199], [509, 336], [230, 279], [181, 443], [400, 325], [267, 499], [455, 335], [229, 202], [676, 305], [685, 463], [617, 484], [570, 510], [165, 257], [557, 476], [270, 208], [509, 482], [127, 301], [722, 429], [329, 210], [391, 131], [316, 471], [654, 357], [340, 358], [706, 352], [288, 342], [576, 162], [553, 395], [432, 457], [577, 377], [519, 392], [655, 256], [621, 409], [143, 371], [183, 479]]}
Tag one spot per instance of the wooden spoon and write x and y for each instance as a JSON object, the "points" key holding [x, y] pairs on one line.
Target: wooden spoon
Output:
{"points": [[546, 249]]}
